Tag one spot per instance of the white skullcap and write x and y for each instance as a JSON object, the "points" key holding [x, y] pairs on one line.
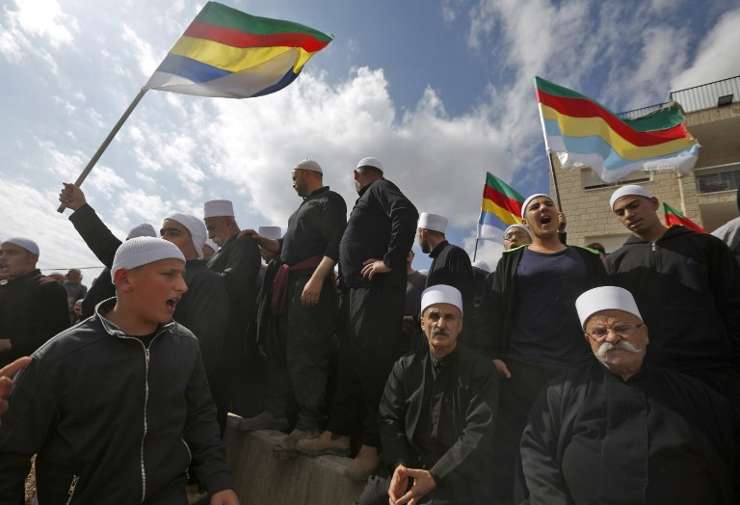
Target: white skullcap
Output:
{"points": [[441, 293], [605, 298], [529, 199], [309, 165], [218, 208], [197, 229], [25, 243], [517, 225], [434, 222], [370, 162], [628, 190], [481, 265], [140, 251], [142, 230], [271, 232]]}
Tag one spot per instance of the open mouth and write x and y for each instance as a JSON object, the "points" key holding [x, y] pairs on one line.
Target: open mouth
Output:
{"points": [[172, 303], [545, 219]]}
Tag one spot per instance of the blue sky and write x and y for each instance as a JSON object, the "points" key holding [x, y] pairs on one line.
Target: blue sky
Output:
{"points": [[439, 90]]}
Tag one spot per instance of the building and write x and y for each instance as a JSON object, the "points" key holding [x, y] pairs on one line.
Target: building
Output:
{"points": [[707, 195]]}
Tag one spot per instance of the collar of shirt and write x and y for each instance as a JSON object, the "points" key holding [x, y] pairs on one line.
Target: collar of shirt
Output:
{"points": [[435, 252], [440, 364], [317, 192]]}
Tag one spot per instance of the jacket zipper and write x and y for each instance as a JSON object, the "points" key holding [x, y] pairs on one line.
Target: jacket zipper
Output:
{"points": [[72, 487], [190, 457]]}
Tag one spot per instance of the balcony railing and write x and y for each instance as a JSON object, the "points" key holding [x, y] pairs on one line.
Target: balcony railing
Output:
{"points": [[716, 179]]}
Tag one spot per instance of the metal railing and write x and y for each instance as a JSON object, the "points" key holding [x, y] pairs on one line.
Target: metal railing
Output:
{"points": [[642, 111]]}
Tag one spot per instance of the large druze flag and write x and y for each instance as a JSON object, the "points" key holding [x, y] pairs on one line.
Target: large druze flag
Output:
{"points": [[227, 53], [582, 133]]}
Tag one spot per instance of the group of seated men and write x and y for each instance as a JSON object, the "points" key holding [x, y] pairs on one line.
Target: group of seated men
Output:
{"points": [[535, 386]]}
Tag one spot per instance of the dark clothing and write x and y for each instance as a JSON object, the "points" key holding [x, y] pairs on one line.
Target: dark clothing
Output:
{"points": [[687, 286], [439, 415], [451, 266], [505, 293], [31, 312], [478, 316], [415, 283], [112, 422], [659, 438], [382, 225], [101, 289], [545, 319], [315, 228]]}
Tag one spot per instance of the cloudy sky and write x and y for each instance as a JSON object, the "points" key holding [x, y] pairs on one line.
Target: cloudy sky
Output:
{"points": [[439, 90]]}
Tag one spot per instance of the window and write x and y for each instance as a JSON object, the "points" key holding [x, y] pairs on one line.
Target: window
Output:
{"points": [[589, 180], [715, 179]]}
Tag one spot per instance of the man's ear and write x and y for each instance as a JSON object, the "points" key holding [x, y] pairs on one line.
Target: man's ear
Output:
{"points": [[124, 281]]}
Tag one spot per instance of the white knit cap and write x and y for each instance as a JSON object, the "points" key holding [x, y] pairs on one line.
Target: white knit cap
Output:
{"points": [[271, 232], [142, 230], [309, 165], [529, 199], [197, 229], [519, 226], [628, 190], [140, 251], [218, 208], [434, 222], [605, 298], [441, 293], [370, 162], [481, 265], [25, 243]]}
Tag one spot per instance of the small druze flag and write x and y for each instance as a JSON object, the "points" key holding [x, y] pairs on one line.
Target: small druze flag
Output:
{"points": [[227, 53], [674, 217], [500, 208]]}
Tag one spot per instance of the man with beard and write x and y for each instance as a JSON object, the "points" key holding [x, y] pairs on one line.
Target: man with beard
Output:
{"points": [[535, 325], [117, 408], [688, 287], [304, 299], [623, 431], [438, 411], [372, 266], [31, 310]]}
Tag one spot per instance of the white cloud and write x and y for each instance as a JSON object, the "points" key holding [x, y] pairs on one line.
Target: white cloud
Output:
{"points": [[144, 53]]}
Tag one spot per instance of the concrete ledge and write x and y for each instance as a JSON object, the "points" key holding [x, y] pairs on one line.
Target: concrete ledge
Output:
{"points": [[260, 478]]}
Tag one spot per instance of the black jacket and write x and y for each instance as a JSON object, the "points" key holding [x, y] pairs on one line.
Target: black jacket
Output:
{"points": [[504, 291], [470, 402], [101, 289], [112, 422], [687, 287], [31, 312], [382, 225]]}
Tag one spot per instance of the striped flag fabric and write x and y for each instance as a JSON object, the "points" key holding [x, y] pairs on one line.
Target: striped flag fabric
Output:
{"points": [[675, 217], [228, 53], [583, 133], [501, 207]]}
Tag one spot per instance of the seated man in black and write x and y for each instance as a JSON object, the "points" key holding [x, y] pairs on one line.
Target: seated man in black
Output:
{"points": [[437, 412], [621, 430]]}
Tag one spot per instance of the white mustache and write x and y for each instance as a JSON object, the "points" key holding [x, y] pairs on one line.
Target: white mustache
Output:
{"points": [[605, 347]]}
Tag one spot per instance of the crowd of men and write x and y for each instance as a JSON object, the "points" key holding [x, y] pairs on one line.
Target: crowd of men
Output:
{"points": [[565, 375]]}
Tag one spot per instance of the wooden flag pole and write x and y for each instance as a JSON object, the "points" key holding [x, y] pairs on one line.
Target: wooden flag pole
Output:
{"points": [[555, 181], [475, 251], [107, 142]]}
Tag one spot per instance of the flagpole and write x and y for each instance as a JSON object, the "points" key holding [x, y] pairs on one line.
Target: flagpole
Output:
{"points": [[475, 251], [554, 180], [107, 142]]}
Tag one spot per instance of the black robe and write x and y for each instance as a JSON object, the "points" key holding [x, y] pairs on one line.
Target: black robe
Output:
{"points": [[442, 420], [661, 437]]}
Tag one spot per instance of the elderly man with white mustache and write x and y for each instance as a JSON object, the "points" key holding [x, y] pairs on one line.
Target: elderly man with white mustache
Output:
{"points": [[622, 431]]}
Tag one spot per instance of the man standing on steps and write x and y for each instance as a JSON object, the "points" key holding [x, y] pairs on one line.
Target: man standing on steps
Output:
{"points": [[372, 267]]}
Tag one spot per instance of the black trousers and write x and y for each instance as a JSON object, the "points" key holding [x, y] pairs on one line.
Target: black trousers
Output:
{"points": [[516, 397], [299, 376], [371, 343]]}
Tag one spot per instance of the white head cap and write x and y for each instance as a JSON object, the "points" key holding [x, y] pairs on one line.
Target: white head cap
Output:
{"points": [[529, 199], [309, 165], [142, 230], [218, 208], [370, 162], [605, 298], [628, 190], [140, 251], [434, 222], [25, 243], [197, 229], [517, 226], [441, 293], [481, 265], [271, 232]]}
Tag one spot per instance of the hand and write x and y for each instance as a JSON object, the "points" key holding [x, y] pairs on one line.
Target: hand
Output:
{"points": [[503, 370], [423, 484], [225, 497], [311, 292], [71, 196], [5, 345], [374, 266], [6, 379]]}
